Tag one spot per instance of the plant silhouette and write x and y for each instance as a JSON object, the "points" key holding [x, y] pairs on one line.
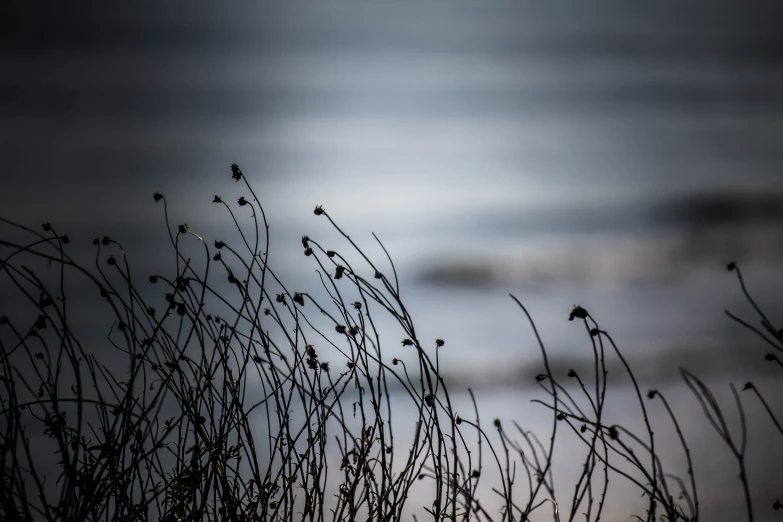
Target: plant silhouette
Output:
{"points": [[243, 400]]}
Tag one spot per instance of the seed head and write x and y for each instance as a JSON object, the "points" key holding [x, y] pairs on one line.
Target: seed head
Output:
{"points": [[357, 305], [731, 266], [157, 196], [236, 173], [318, 210], [308, 251], [577, 312], [47, 227], [217, 199], [183, 229], [242, 201]]}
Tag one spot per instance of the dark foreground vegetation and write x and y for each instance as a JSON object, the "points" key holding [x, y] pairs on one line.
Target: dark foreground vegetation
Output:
{"points": [[240, 399]]}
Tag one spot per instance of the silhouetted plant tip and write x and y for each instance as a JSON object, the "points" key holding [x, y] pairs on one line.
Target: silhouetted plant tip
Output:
{"points": [[407, 342], [318, 210], [242, 201], [439, 342], [47, 227], [183, 229], [217, 199], [748, 386], [577, 313], [219, 244], [299, 298], [331, 253], [236, 173], [651, 394], [496, 423], [571, 373], [340, 328], [157, 196], [338, 271], [308, 251], [731, 266], [105, 240]]}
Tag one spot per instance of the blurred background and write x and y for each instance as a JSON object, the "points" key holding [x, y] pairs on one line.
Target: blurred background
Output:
{"points": [[609, 154]]}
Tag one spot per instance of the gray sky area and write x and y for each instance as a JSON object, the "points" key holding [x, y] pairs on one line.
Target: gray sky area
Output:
{"points": [[608, 153]]}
